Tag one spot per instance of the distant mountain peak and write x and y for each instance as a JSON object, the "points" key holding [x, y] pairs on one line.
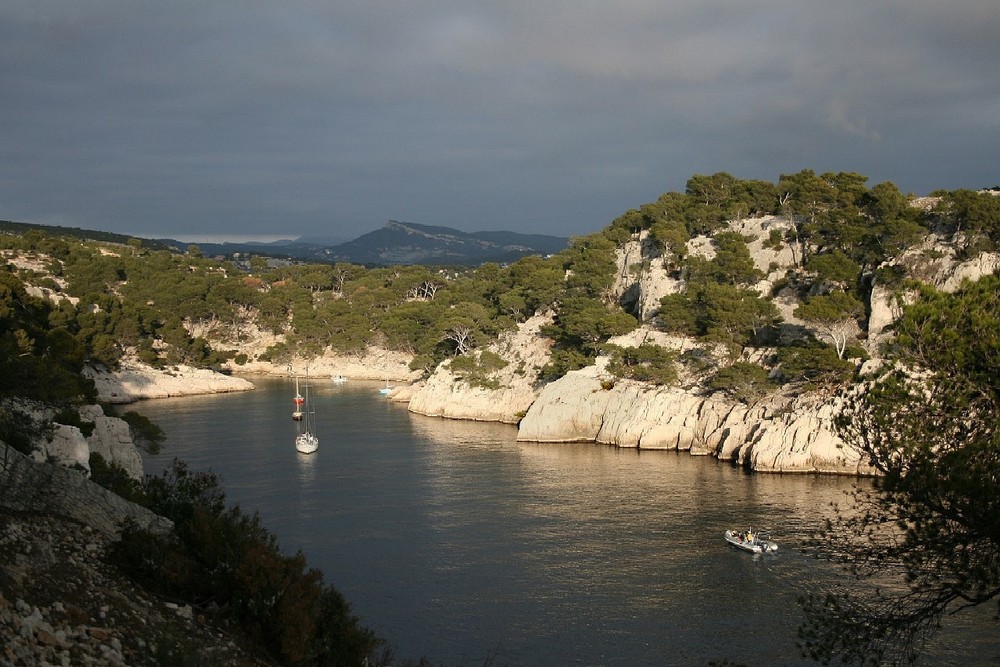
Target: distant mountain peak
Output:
{"points": [[399, 242]]}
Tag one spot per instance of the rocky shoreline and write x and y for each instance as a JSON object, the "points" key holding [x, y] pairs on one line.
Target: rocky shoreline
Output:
{"points": [[583, 406]]}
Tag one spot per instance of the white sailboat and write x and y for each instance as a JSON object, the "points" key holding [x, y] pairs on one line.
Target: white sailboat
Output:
{"points": [[386, 389], [306, 441]]}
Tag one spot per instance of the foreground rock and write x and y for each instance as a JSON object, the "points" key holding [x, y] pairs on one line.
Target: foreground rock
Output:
{"points": [[27, 486], [61, 603], [66, 445]]}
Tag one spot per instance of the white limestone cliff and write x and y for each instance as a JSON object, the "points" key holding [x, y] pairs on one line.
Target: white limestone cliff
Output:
{"points": [[934, 262], [135, 381], [775, 436], [375, 364], [445, 394], [112, 439], [67, 445], [780, 434]]}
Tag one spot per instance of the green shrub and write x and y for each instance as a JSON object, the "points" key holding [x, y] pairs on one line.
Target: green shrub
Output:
{"points": [[477, 368], [19, 430], [145, 433], [814, 366], [742, 381], [71, 417], [646, 363], [562, 361], [114, 478]]}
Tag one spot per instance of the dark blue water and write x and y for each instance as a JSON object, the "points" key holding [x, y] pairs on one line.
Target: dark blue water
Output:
{"points": [[455, 542]]}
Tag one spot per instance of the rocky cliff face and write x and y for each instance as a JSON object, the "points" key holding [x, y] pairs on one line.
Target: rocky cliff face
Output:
{"points": [[933, 262], [135, 381], [446, 394], [780, 434], [29, 486]]}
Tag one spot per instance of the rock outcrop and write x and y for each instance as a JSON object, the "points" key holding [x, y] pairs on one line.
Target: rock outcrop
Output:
{"points": [[780, 434], [776, 436], [935, 263], [67, 446], [447, 394], [28, 486], [136, 381]]}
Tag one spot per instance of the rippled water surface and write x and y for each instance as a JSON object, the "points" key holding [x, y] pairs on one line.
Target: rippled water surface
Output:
{"points": [[455, 542]]}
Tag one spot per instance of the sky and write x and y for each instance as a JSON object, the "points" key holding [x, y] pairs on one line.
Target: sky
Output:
{"points": [[237, 119]]}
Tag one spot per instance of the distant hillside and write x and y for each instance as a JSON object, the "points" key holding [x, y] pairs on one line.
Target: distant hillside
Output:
{"points": [[86, 234], [395, 243], [409, 243], [406, 243]]}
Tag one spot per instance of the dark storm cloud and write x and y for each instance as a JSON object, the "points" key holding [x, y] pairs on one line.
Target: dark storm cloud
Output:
{"points": [[327, 118]]}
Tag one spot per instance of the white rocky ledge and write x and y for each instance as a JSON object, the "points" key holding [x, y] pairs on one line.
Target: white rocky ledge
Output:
{"points": [[136, 381]]}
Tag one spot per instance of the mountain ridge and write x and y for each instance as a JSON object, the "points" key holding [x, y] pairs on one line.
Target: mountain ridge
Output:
{"points": [[396, 242]]}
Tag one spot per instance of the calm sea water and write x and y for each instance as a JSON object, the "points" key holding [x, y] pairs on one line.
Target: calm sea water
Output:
{"points": [[455, 542]]}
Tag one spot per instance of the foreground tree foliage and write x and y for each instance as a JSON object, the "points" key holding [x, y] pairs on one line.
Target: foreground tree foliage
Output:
{"points": [[929, 531], [220, 558]]}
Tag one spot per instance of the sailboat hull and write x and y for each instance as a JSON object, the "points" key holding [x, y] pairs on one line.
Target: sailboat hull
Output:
{"points": [[306, 443]]}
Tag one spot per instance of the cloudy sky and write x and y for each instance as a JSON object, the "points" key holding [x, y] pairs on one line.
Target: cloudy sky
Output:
{"points": [[245, 118]]}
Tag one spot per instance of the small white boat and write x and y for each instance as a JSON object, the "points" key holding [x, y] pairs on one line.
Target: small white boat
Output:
{"points": [[338, 379], [750, 541]]}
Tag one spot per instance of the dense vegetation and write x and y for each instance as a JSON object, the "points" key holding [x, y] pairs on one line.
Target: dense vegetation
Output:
{"points": [[939, 458], [173, 308]]}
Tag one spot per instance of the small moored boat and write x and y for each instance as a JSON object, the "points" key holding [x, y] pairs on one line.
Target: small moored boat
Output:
{"points": [[750, 541]]}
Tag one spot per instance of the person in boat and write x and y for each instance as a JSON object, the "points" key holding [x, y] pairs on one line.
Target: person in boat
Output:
{"points": [[749, 535]]}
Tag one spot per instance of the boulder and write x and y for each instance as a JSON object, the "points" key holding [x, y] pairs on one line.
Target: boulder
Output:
{"points": [[67, 446], [112, 440]]}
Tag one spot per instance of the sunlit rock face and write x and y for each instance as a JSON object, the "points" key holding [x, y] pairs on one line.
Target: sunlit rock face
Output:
{"points": [[773, 436], [512, 388], [135, 381]]}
